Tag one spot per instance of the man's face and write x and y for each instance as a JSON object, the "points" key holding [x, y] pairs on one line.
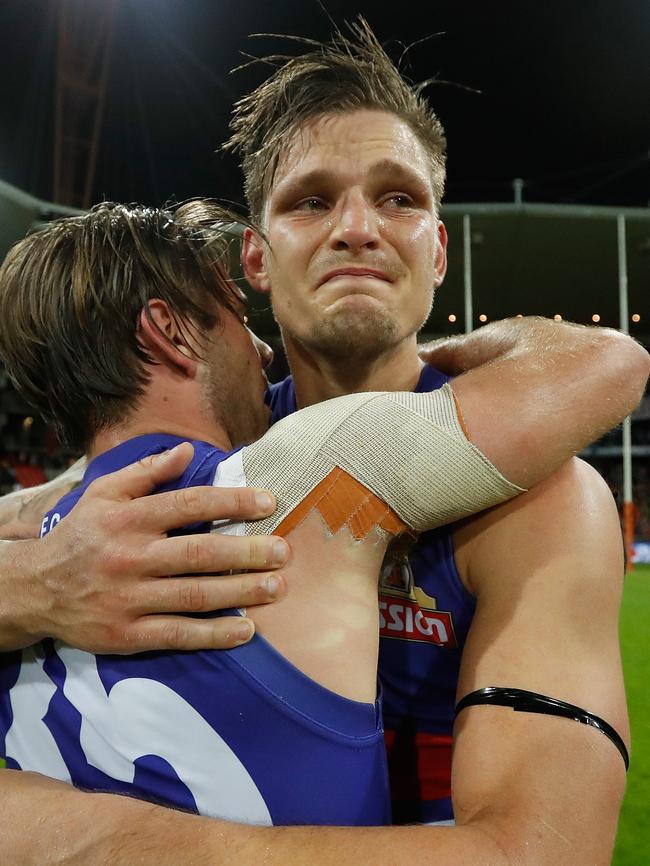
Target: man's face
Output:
{"points": [[233, 379], [356, 248]]}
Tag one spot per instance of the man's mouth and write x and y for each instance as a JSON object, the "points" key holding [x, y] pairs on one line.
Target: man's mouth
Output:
{"points": [[355, 272]]}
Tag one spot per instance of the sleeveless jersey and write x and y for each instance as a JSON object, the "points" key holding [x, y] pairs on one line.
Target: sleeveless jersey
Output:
{"points": [[424, 613], [237, 734]]}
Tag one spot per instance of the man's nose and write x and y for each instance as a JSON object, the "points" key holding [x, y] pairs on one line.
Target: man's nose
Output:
{"points": [[355, 224]]}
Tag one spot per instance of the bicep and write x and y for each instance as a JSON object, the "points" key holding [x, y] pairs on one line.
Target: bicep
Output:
{"points": [[547, 571]]}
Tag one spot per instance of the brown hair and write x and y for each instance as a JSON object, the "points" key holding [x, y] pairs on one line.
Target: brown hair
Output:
{"points": [[71, 295], [348, 73]]}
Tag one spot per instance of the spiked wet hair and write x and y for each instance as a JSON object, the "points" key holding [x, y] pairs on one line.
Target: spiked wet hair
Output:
{"points": [[352, 71]]}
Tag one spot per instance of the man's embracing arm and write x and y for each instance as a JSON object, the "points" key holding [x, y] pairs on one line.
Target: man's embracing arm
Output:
{"points": [[85, 584], [100, 580], [21, 512], [535, 392], [529, 789]]}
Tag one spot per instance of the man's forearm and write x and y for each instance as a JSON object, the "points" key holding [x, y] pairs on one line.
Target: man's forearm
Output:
{"points": [[549, 393], [22, 590], [462, 352], [514, 336], [23, 587], [21, 512], [80, 829], [330, 846]]}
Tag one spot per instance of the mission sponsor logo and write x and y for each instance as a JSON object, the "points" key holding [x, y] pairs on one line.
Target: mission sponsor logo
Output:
{"points": [[406, 612]]}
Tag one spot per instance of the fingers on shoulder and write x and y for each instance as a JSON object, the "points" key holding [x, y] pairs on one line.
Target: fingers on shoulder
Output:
{"points": [[143, 476], [210, 552], [176, 508]]}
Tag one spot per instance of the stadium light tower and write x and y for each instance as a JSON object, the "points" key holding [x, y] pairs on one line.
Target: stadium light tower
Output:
{"points": [[85, 35]]}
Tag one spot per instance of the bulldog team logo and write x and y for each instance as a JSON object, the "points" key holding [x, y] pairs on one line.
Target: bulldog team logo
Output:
{"points": [[406, 612]]}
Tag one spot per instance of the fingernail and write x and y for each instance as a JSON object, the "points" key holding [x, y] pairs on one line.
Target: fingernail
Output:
{"points": [[243, 631], [279, 551], [272, 586], [264, 501], [165, 455]]}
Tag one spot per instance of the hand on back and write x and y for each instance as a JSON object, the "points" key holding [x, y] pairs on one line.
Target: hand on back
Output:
{"points": [[110, 580]]}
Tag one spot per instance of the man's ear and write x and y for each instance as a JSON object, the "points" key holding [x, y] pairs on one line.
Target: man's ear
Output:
{"points": [[160, 336], [441, 254], [253, 263]]}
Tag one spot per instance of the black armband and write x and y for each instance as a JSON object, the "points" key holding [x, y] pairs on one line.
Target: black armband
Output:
{"points": [[530, 702]]}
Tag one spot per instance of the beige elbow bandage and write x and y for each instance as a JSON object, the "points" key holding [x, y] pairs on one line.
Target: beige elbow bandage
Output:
{"points": [[390, 460]]}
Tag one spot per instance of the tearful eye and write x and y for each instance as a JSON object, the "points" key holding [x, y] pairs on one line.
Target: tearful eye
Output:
{"points": [[311, 204], [399, 200]]}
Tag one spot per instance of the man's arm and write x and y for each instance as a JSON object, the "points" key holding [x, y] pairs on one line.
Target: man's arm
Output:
{"points": [[82, 829], [547, 570], [537, 392], [529, 790], [21, 512], [584, 381], [99, 582]]}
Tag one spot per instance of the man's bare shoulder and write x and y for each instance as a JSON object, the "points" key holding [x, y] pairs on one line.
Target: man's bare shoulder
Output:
{"points": [[562, 515]]}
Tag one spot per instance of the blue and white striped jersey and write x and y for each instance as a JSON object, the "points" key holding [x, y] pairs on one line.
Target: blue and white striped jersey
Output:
{"points": [[236, 734]]}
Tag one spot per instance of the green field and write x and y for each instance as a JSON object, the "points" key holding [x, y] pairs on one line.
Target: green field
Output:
{"points": [[633, 844]]}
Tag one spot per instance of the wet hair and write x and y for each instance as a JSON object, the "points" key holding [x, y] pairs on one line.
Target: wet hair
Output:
{"points": [[350, 72], [71, 295]]}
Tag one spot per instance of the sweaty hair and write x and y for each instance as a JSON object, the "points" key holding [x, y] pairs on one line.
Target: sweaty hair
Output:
{"points": [[71, 296], [349, 73]]}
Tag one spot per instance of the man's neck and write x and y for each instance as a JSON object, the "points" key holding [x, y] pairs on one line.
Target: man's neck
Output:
{"points": [[317, 378], [172, 417]]}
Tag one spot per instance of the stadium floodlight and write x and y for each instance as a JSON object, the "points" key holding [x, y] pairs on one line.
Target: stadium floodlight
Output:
{"points": [[482, 318], [557, 317], [452, 317], [636, 317], [595, 318]]}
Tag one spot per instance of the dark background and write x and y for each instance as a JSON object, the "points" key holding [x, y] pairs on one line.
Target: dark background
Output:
{"points": [[564, 96], [556, 93]]}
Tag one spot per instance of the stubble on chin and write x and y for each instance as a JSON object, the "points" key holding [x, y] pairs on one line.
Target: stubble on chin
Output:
{"points": [[353, 337]]}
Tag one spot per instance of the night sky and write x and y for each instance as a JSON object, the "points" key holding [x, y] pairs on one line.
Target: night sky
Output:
{"points": [[564, 96]]}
